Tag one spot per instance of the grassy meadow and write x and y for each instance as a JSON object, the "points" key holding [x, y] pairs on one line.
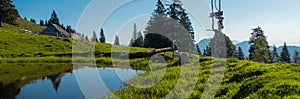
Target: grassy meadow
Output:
{"points": [[242, 78]]}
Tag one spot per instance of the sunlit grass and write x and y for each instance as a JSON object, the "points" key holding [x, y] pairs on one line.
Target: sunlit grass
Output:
{"points": [[242, 79]]}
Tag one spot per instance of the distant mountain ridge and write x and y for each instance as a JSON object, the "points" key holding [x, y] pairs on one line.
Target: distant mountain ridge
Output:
{"points": [[246, 46]]}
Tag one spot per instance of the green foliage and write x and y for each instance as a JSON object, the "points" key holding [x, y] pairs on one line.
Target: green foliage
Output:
{"points": [[117, 41], [33, 21], [8, 12], [153, 37], [134, 35], [285, 55], [164, 29], [139, 41], [259, 48], [53, 19], [240, 54], [42, 23], [274, 55], [207, 50], [198, 49], [296, 58], [155, 32], [102, 36], [230, 48], [160, 8], [94, 37]]}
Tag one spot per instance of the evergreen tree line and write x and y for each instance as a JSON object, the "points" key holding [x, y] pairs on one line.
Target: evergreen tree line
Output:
{"points": [[95, 38], [169, 27], [163, 25], [53, 20], [259, 50]]}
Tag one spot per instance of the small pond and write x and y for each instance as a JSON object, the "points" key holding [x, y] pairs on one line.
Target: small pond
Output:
{"points": [[65, 85]]}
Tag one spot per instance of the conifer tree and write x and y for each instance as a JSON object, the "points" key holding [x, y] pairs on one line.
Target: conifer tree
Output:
{"points": [[46, 22], [230, 48], [134, 35], [198, 49], [86, 38], [116, 42], [156, 27], [53, 19], [69, 29], [8, 12], [94, 37], [207, 51], [102, 36], [33, 21], [274, 55], [285, 55], [259, 48], [177, 12], [42, 23], [160, 8], [139, 42], [240, 54], [296, 58]]}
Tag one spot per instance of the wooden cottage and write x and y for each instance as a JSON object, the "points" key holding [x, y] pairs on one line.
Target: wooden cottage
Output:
{"points": [[55, 30]]}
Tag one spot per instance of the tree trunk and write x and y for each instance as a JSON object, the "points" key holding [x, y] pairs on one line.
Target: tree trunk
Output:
{"points": [[0, 24]]}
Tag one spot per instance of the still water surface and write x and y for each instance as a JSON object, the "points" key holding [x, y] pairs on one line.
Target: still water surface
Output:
{"points": [[65, 86]]}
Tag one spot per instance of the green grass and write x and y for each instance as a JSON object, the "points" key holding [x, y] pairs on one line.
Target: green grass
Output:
{"points": [[14, 43], [242, 79], [23, 24]]}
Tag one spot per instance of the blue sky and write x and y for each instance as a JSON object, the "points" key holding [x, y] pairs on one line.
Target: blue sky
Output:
{"points": [[277, 18]]}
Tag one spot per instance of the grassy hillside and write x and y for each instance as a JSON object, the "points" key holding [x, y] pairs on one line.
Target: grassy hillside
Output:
{"points": [[242, 79], [14, 43]]}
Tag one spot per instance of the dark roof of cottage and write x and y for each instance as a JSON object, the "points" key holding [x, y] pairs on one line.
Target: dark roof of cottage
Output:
{"points": [[53, 28], [58, 28]]}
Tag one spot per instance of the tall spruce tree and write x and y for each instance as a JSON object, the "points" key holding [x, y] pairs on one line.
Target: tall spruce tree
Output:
{"points": [[8, 12], [117, 41], [33, 21], [285, 55], [139, 42], [102, 36], [186, 22], [198, 49], [207, 51], [156, 27], [177, 12], [259, 48], [53, 19], [160, 8], [240, 54], [46, 22], [296, 58], [42, 23], [94, 37], [134, 35], [274, 55], [86, 38], [230, 48]]}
